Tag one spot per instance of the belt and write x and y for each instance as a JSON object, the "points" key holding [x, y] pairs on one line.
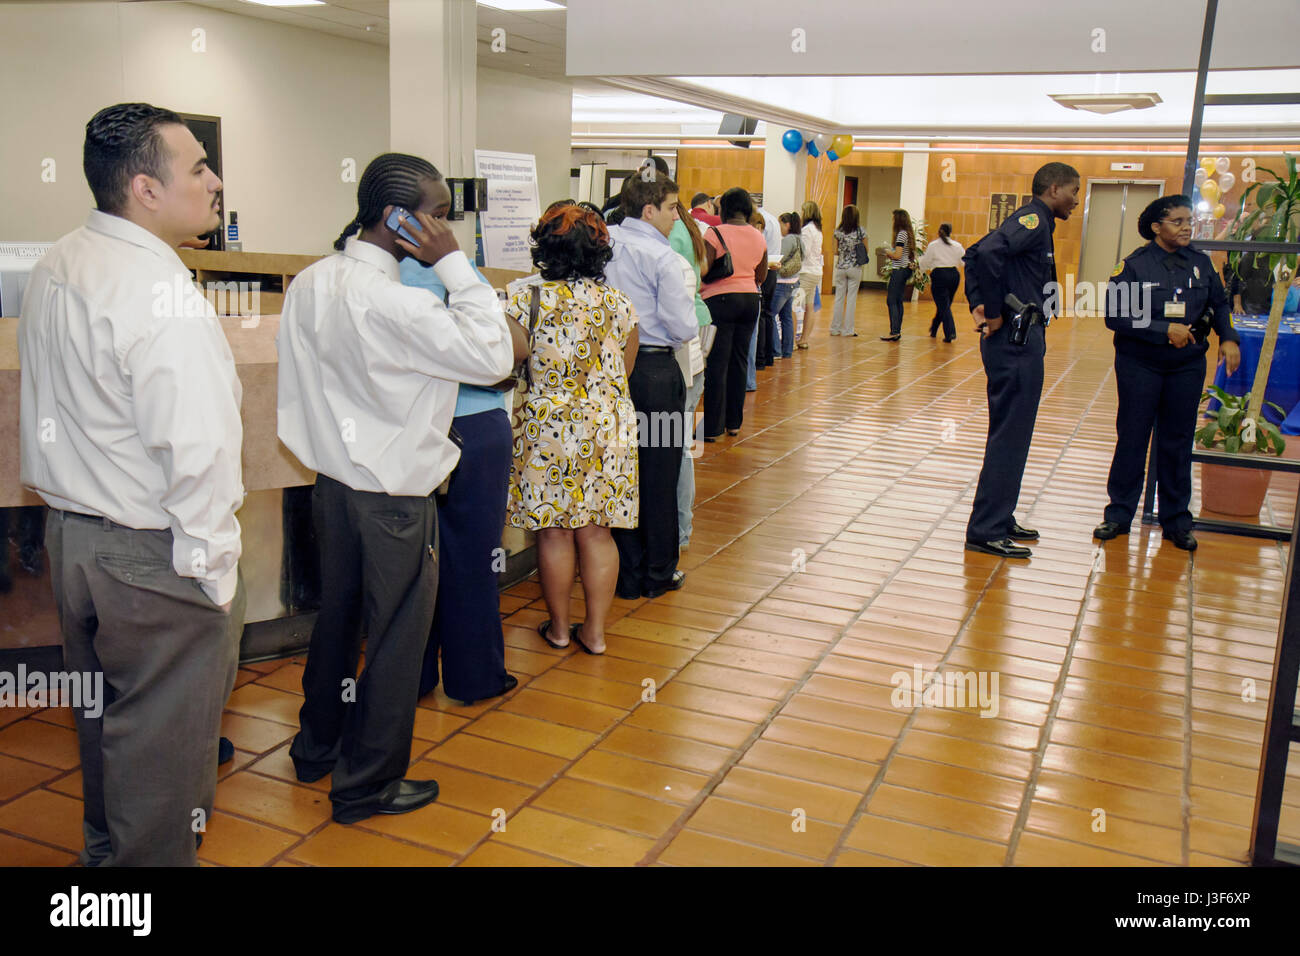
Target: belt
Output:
{"points": [[98, 519], [656, 348]]}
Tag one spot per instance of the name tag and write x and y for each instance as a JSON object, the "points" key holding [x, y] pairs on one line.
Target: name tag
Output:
{"points": [[1175, 310]]}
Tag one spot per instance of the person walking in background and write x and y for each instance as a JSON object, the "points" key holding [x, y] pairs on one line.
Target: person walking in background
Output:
{"points": [[686, 240], [733, 301], [942, 259], [466, 637], [810, 277], [848, 271], [787, 281], [649, 273], [574, 476], [900, 271]]}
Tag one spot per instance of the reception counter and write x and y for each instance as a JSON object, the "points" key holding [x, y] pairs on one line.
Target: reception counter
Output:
{"points": [[279, 561]]}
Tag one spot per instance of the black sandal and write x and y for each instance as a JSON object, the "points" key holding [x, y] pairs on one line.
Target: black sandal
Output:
{"points": [[573, 636], [546, 626]]}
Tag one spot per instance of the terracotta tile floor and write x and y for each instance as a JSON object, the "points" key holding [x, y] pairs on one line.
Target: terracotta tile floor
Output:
{"points": [[747, 719]]}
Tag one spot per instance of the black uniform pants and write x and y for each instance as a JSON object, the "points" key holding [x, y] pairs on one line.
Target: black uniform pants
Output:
{"points": [[379, 568], [764, 355], [725, 374], [467, 620], [1015, 383], [647, 554], [944, 286], [1168, 397]]}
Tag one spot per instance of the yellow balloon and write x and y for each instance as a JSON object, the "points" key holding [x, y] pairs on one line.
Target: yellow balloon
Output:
{"points": [[1210, 191], [842, 144], [1219, 211], [1207, 164]]}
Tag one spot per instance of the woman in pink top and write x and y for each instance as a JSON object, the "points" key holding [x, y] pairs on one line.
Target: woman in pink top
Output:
{"points": [[733, 304]]}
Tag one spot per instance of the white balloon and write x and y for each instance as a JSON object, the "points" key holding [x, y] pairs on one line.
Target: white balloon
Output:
{"points": [[822, 141], [1201, 176], [1227, 181], [1222, 164]]}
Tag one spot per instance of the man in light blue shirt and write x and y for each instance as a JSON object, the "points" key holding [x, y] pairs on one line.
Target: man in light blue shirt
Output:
{"points": [[647, 270]]}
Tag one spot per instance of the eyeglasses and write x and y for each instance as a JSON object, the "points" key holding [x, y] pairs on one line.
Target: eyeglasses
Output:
{"points": [[1185, 221]]}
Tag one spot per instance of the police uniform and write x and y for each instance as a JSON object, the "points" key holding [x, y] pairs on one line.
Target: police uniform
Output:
{"points": [[1159, 383], [1018, 258]]}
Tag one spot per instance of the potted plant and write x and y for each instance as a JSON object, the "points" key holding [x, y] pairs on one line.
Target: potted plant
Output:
{"points": [[1275, 218], [1225, 489], [920, 279]]}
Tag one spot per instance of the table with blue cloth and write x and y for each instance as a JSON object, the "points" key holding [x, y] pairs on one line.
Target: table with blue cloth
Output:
{"points": [[1284, 376]]}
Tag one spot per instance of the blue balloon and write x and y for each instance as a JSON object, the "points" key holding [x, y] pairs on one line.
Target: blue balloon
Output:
{"points": [[812, 149], [832, 155], [791, 140]]}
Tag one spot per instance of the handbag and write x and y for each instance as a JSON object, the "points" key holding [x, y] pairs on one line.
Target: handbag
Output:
{"points": [[522, 374], [722, 267], [792, 264], [860, 255]]}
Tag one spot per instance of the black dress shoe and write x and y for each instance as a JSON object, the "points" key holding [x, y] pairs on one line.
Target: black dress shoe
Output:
{"points": [[1107, 530], [511, 682], [1182, 539], [1003, 548], [400, 796], [1022, 534], [890, 338], [953, 339], [225, 751], [679, 578]]}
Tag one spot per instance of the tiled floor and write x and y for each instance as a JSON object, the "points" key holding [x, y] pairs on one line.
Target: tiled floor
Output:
{"points": [[748, 719]]}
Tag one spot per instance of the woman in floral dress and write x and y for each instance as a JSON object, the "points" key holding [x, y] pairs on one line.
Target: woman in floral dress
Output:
{"points": [[575, 455]]}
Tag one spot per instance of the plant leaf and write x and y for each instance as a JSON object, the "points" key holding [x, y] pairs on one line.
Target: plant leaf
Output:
{"points": [[1232, 445]]}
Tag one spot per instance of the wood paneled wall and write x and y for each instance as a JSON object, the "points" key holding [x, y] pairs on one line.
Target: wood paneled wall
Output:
{"points": [[714, 171]]}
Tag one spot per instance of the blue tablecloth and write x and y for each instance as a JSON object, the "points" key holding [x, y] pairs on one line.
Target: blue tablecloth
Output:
{"points": [[1284, 376]]}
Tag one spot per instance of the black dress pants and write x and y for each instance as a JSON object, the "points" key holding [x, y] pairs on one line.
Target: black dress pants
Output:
{"points": [[467, 620], [944, 286], [1015, 383], [379, 569], [725, 374], [647, 554], [764, 355], [1167, 395]]}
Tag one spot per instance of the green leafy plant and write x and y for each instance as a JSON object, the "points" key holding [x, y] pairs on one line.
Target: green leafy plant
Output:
{"points": [[1275, 218], [1225, 427], [920, 278]]}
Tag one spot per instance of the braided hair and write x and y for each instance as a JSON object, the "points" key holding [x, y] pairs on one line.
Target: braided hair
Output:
{"points": [[391, 179]]}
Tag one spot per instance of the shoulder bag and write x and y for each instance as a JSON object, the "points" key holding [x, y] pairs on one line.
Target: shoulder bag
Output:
{"points": [[722, 267]]}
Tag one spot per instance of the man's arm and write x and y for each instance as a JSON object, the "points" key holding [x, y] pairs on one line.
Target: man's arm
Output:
{"points": [[188, 420]]}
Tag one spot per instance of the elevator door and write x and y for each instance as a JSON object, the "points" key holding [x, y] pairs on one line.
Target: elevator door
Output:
{"points": [[1110, 232]]}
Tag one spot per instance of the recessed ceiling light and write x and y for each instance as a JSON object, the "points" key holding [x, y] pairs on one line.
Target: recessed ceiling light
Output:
{"points": [[521, 6], [287, 3], [1107, 102]]}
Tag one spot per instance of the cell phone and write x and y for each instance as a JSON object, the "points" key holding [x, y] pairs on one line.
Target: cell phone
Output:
{"points": [[394, 223]]}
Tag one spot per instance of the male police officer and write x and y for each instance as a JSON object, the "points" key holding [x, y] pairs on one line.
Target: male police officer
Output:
{"points": [[1161, 303], [1015, 259]]}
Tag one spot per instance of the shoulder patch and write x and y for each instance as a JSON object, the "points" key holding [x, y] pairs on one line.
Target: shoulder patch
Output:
{"points": [[1029, 221], [1119, 267]]}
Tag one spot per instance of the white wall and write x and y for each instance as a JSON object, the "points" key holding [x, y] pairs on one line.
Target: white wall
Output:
{"points": [[522, 114], [293, 104]]}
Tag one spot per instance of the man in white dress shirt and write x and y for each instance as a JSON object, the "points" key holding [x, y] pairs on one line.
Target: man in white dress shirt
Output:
{"points": [[369, 372], [130, 431]]}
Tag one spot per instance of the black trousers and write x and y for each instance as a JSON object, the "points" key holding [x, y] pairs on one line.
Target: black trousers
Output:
{"points": [[1167, 396], [379, 569], [1015, 383], [727, 369], [944, 283], [895, 292], [647, 554], [467, 621], [765, 353]]}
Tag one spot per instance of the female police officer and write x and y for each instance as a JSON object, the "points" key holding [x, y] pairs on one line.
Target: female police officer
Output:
{"points": [[1161, 302]]}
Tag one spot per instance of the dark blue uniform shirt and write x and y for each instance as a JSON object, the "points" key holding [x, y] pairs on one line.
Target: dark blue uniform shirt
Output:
{"points": [[1018, 257], [1140, 291]]}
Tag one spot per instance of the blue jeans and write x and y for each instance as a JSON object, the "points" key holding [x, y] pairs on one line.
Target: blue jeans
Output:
{"points": [[751, 383], [686, 479], [783, 312], [894, 298]]}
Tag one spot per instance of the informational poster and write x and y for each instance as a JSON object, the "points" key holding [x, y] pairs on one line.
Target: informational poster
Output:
{"points": [[1001, 205], [513, 207]]}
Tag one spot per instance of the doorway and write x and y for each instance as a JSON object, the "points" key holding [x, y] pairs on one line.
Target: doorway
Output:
{"points": [[1110, 216]]}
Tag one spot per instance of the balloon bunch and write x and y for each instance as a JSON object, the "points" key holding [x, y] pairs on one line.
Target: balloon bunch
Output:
{"points": [[835, 147], [1212, 190]]}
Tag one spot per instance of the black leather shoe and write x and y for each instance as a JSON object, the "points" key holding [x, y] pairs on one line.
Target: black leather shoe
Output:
{"points": [[1022, 534], [1004, 548], [679, 578], [1182, 539], [1107, 530], [400, 796], [225, 751]]}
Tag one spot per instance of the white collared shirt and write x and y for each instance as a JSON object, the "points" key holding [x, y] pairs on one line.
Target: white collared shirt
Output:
{"points": [[942, 255], [130, 400], [370, 368], [771, 235]]}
